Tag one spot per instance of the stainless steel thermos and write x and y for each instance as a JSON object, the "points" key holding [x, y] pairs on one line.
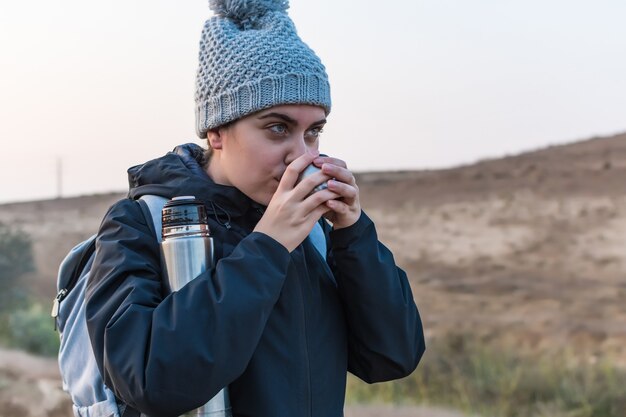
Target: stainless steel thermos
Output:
{"points": [[187, 250]]}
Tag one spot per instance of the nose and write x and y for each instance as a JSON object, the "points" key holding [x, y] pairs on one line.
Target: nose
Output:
{"points": [[298, 147]]}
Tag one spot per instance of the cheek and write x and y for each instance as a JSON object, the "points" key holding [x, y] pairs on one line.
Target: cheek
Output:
{"points": [[269, 160]]}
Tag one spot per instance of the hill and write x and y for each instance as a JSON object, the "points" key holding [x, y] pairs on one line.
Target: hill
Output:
{"points": [[529, 250]]}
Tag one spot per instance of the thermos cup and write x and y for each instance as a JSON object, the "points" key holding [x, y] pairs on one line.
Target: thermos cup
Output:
{"points": [[310, 170], [187, 250]]}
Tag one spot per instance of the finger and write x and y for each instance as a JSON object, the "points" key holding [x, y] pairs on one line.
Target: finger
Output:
{"points": [[346, 191], [320, 160], [338, 206], [318, 198], [290, 176], [339, 173], [308, 184], [319, 211]]}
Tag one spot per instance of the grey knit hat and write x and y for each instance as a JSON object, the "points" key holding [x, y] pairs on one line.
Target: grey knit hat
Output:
{"points": [[251, 58]]}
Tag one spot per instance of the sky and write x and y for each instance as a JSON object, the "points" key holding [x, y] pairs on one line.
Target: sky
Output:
{"points": [[96, 87]]}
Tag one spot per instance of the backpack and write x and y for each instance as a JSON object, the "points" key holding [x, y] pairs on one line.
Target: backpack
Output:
{"points": [[79, 371], [77, 363]]}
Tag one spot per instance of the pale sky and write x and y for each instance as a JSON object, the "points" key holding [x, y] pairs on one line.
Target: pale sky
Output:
{"points": [[415, 84]]}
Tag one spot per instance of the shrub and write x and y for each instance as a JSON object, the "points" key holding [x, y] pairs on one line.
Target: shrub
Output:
{"points": [[31, 330], [462, 372], [16, 259]]}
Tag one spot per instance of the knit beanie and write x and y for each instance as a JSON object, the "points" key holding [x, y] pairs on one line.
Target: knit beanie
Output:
{"points": [[251, 58]]}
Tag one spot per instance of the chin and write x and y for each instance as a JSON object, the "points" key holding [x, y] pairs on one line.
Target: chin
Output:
{"points": [[263, 195], [263, 199]]}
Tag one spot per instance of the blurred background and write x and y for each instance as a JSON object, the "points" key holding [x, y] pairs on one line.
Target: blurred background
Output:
{"points": [[489, 146]]}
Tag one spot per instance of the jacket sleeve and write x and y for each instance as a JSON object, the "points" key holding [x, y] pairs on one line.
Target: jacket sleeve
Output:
{"points": [[385, 334], [165, 355]]}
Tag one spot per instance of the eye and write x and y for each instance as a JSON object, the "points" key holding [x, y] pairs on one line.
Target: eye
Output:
{"points": [[278, 129], [315, 132]]}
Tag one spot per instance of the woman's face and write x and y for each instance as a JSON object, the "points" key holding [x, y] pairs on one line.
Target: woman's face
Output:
{"points": [[252, 153]]}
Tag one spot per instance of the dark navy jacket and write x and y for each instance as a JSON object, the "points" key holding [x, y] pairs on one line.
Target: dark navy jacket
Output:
{"points": [[280, 329]]}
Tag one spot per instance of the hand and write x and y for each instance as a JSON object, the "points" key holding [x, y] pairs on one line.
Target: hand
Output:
{"points": [[346, 210], [293, 210]]}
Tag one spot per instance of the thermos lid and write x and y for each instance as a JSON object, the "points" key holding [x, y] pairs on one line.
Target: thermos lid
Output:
{"points": [[183, 211]]}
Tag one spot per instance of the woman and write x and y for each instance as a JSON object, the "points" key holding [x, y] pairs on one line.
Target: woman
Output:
{"points": [[275, 321]]}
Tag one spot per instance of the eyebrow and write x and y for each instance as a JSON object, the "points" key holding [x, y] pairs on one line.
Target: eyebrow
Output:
{"points": [[288, 119]]}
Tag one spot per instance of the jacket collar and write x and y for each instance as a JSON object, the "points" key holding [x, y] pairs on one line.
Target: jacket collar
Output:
{"points": [[179, 173]]}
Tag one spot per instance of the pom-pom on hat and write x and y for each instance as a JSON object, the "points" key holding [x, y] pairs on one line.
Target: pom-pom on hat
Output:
{"points": [[251, 58]]}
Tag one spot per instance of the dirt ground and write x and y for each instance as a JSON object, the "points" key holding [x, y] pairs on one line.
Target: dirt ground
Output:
{"points": [[527, 250], [31, 386]]}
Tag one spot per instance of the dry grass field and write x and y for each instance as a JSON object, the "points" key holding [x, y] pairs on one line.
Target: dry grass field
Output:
{"points": [[526, 252]]}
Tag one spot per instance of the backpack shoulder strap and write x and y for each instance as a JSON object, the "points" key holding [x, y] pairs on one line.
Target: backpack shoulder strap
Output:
{"points": [[318, 238], [151, 205]]}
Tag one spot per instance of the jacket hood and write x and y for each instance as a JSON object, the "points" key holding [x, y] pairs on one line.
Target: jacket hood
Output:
{"points": [[179, 173]]}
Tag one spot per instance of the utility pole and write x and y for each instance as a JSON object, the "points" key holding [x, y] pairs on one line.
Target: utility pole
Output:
{"points": [[59, 177]]}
